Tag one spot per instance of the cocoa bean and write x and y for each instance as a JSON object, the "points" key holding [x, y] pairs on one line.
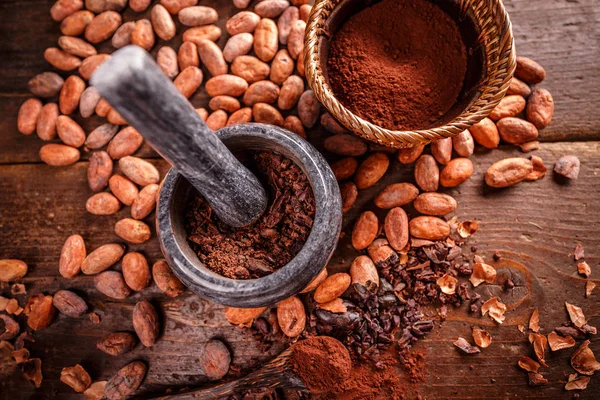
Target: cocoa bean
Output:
{"points": [[198, 15], [90, 64], [293, 124], [529, 71], [46, 123], [429, 228], [241, 116], [75, 24], [516, 130], [242, 22], [396, 228], [316, 281], [62, 60], [308, 109], [125, 143], [345, 145], [410, 155], [463, 144], [142, 34], [212, 57], [292, 89], [509, 106], [162, 22], [304, 11], [427, 173], [210, 32], [332, 287], [266, 42], [238, 45], [166, 280], [261, 92], [29, 114], [166, 58], [432, 203], [102, 258], [229, 85], [371, 170], [10, 330], [117, 343], [76, 46], [188, 81], [282, 67], [349, 194], [71, 257], [243, 316], [139, 171], [508, 172], [99, 170], [76, 377], [568, 166], [132, 230], [123, 189], [225, 103], [88, 101], [291, 316], [331, 125], [122, 36], [363, 272], [485, 133], [266, 114], [250, 68], [112, 284], [271, 8], [102, 203], [365, 230], [145, 202], [136, 271], [540, 108], [102, 26], [519, 87], [344, 168], [441, 150], [46, 84], [145, 323], [69, 304], [40, 311], [139, 5], [69, 131], [295, 44], [217, 120], [456, 172], [126, 381], [59, 155], [539, 169], [11, 270], [215, 359], [396, 195], [174, 6]]}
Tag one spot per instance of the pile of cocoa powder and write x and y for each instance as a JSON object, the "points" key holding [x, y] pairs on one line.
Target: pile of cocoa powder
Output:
{"points": [[398, 64], [269, 243]]}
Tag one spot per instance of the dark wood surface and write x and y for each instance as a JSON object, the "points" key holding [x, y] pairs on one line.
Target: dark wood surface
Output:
{"points": [[536, 225]]}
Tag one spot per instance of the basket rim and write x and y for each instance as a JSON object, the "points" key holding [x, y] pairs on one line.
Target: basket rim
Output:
{"points": [[500, 55]]}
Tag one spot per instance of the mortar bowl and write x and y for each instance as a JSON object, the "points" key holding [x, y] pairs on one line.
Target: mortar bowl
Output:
{"points": [[289, 279]]}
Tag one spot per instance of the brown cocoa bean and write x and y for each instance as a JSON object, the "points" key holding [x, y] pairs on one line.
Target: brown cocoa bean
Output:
{"points": [[485, 133], [516, 130], [282, 67], [139, 171], [509, 106], [163, 23], [344, 169], [316, 281], [271, 8], [432, 203], [90, 64], [11, 270], [540, 108], [226, 103], [212, 57], [295, 44], [214, 360], [241, 116], [381, 252], [363, 272], [145, 323], [75, 24], [69, 131], [132, 230], [174, 6], [198, 15], [345, 145], [117, 343], [284, 24], [365, 230], [122, 36], [166, 280], [71, 256], [76, 46], [241, 3], [139, 5], [126, 381], [125, 143], [70, 95], [46, 84], [396, 195], [142, 34], [456, 172], [40, 311], [217, 120], [396, 228], [69, 303], [210, 32], [88, 101], [145, 202], [166, 58], [332, 287], [371, 170], [349, 194], [242, 22], [530, 146], [229, 85], [266, 114], [250, 68], [102, 26], [427, 173], [410, 155], [136, 271], [112, 284], [429, 228], [188, 81], [59, 155], [261, 92], [291, 316], [123, 189], [308, 109], [29, 114], [266, 42], [293, 124], [568, 166], [529, 71], [331, 125], [99, 170], [62, 60], [102, 203], [463, 144], [76, 377], [102, 258], [292, 89], [46, 123], [238, 45], [508, 172], [243, 316], [441, 150], [519, 87]]}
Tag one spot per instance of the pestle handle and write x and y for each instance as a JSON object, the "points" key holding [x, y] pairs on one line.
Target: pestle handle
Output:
{"points": [[136, 87]]}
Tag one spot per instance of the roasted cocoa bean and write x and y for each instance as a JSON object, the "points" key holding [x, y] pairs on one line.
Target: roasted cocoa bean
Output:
{"points": [[71, 257], [117, 343], [427, 173], [102, 258], [365, 230], [69, 303], [456, 172], [166, 280], [145, 323], [508, 172]]}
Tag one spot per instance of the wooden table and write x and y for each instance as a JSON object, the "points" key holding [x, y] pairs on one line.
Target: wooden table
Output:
{"points": [[537, 225]]}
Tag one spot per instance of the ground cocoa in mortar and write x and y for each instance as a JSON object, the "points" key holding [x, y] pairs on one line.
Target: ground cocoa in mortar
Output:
{"points": [[399, 64], [268, 244]]}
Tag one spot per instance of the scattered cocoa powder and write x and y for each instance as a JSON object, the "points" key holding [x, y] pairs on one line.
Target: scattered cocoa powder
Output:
{"points": [[268, 244], [398, 64]]}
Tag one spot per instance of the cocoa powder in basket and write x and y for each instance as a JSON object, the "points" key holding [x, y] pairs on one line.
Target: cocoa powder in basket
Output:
{"points": [[268, 244], [398, 64]]}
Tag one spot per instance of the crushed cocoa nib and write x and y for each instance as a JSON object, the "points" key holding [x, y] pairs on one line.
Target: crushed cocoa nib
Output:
{"points": [[536, 379], [579, 252], [466, 347], [268, 244]]}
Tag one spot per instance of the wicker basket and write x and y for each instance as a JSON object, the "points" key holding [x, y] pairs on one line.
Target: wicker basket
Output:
{"points": [[487, 32]]}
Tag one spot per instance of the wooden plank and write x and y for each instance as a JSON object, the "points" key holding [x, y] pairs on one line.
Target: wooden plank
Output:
{"points": [[536, 225], [561, 35]]}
